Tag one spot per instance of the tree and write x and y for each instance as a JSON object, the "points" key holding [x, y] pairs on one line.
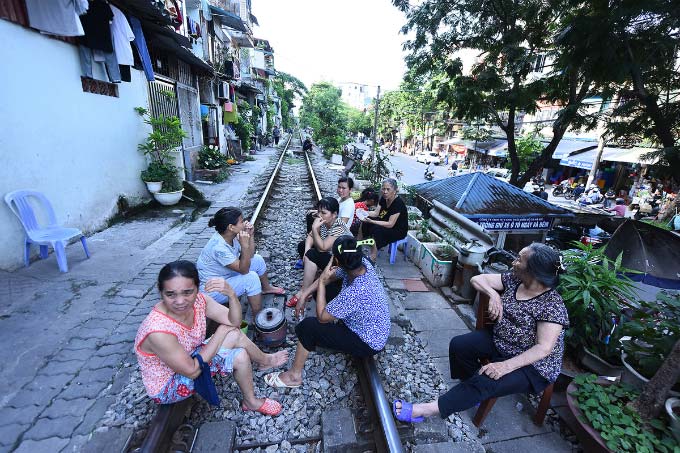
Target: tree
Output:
{"points": [[288, 87], [358, 121], [632, 49], [510, 35], [323, 111]]}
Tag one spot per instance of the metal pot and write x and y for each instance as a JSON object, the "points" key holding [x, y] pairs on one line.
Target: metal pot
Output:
{"points": [[271, 325], [472, 253]]}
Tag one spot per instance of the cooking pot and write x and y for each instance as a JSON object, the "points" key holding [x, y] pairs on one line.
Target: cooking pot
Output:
{"points": [[472, 253], [271, 325]]}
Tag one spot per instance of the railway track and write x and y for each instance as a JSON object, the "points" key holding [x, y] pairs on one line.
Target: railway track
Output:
{"points": [[169, 430]]}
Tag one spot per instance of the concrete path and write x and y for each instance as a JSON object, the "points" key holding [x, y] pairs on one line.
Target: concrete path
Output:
{"points": [[67, 338], [509, 426]]}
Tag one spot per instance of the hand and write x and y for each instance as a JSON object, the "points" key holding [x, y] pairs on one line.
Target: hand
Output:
{"points": [[495, 307], [328, 273], [317, 223], [221, 286], [244, 239], [299, 311], [248, 227], [495, 370]]}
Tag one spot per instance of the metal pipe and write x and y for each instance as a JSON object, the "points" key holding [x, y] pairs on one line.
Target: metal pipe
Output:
{"points": [[382, 406]]}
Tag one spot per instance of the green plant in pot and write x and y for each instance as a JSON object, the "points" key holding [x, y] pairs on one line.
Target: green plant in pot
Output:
{"points": [[608, 408], [593, 289], [653, 328], [165, 136], [424, 231]]}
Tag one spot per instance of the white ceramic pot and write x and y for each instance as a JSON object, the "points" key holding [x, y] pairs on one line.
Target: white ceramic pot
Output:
{"points": [[674, 403], [154, 186], [168, 198]]}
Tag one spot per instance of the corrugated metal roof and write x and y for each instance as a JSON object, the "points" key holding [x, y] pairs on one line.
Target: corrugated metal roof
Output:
{"points": [[478, 194]]}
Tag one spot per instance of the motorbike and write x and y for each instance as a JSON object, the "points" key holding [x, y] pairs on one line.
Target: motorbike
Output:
{"points": [[398, 174], [563, 190], [429, 175]]}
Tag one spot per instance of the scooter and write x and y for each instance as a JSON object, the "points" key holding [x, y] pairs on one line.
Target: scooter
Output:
{"points": [[398, 174], [429, 175]]}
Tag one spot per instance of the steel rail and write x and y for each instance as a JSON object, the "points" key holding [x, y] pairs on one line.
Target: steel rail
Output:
{"points": [[275, 173], [317, 192], [368, 373], [169, 417]]}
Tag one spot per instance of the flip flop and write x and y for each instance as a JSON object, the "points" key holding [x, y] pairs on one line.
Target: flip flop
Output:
{"points": [[406, 412], [269, 407], [273, 380], [277, 291]]}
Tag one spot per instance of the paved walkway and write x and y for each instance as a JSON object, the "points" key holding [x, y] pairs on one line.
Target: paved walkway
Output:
{"points": [[67, 338], [433, 316]]}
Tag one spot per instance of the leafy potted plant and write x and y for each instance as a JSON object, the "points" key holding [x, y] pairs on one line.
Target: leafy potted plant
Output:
{"points": [[608, 420], [438, 263], [165, 136], [593, 290], [654, 329], [153, 176], [673, 411]]}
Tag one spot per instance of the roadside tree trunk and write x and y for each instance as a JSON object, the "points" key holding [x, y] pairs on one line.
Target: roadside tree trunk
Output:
{"points": [[653, 397]]}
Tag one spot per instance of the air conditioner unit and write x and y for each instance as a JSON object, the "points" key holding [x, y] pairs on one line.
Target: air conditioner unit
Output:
{"points": [[223, 90]]}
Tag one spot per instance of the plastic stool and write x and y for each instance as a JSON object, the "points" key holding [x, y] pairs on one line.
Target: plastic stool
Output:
{"points": [[393, 249]]}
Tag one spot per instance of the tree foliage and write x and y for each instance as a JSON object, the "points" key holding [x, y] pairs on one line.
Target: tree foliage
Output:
{"points": [[324, 112], [288, 88]]}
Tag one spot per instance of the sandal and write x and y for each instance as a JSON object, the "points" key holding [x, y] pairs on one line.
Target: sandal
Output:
{"points": [[273, 379], [406, 412], [269, 407]]}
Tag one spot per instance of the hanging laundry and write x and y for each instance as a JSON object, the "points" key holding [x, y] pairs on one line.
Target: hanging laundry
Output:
{"points": [[88, 56], [122, 37], [140, 43], [97, 26], [230, 117], [56, 17]]}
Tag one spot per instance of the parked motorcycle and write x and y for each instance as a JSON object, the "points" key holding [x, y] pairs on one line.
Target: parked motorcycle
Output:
{"points": [[563, 189], [429, 175]]}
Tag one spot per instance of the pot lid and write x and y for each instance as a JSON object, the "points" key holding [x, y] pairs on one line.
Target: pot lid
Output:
{"points": [[269, 319], [473, 247]]}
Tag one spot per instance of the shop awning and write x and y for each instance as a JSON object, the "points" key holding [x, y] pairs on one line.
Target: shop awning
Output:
{"points": [[566, 147], [228, 19], [584, 160]]}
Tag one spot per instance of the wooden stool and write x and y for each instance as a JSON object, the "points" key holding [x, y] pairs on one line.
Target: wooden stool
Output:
{"points": [[483, 322]]}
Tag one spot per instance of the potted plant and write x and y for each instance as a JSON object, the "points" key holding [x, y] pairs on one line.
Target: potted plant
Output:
{"points": [[438, 263], [153, 176], [593, 290], [158, 147], [654, 329], [608, 421], [673, 411]]}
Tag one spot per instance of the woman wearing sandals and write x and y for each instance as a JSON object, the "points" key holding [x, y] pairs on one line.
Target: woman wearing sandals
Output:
{"points": [[172, 335], [356, 322], [525, 348], [230, 254]]}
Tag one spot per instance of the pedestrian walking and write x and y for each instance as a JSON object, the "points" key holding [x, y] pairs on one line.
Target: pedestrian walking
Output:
{"points": [[276, 132]]}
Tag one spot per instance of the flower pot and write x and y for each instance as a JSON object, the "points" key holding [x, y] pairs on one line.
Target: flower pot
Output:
{"points": [[599, 366], [590, 439], [436, 271], [631, 377], [168, 198], [154, 186], [673, 405], [413, 247]]}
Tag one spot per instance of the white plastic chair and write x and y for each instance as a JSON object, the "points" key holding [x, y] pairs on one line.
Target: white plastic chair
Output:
{"points": [[51, 234]]}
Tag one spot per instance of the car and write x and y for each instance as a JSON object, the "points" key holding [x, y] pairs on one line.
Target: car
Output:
{"points": [[560, 237], [499, 173], [427, 157]]}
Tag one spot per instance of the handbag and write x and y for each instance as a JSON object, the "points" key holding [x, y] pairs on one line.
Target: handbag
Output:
{"points": [[204, 384]]}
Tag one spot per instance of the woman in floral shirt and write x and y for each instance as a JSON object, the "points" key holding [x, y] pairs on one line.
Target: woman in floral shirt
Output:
{"points": [[525, 348]]}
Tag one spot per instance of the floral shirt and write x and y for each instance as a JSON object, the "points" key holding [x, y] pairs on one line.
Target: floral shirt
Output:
{"points": [[516, 332], [363, 306]]}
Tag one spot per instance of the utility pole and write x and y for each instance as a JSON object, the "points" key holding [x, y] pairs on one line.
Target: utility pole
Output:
{"points": [[375, 122]]}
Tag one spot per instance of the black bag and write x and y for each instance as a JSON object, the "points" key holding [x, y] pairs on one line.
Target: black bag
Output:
{"points": [[204, 384]]}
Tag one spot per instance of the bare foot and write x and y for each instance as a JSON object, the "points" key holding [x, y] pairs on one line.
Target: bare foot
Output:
{"points": [[273, 290], [275, 360]]}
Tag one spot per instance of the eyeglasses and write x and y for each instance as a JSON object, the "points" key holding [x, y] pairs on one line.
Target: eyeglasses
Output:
{"points": [[173, 295]]}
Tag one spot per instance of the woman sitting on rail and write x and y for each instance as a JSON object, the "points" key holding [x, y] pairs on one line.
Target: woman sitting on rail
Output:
{"points": [[173, 334], [389, 222], [230, 254], [356, 321], [327, 226], [368, 200], [525, 348]]}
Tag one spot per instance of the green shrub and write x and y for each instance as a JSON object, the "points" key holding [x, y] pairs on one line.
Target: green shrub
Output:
{"points": [[210, 158]]}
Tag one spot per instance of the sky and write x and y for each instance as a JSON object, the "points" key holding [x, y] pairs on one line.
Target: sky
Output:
{"points": [[338, 41]]}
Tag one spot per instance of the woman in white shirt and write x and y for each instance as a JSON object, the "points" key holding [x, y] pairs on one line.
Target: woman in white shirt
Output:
{"points": [[344, 191]]}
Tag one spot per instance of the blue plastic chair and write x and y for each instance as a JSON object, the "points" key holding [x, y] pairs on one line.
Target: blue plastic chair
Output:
{"points": [[393, 249], [43, 235]]}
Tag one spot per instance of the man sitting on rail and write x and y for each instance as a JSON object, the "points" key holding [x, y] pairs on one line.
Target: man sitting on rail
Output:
{"points": [[230, 254], [316, 248], [355, 321], [170, 340]]}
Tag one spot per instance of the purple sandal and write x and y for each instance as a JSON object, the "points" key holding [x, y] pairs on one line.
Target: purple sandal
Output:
{"points": [[406, 412]]}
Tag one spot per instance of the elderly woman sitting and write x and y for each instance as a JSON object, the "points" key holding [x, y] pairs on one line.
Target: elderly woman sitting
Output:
{"points": [[389, 221], [230, 254], [326, 228], [356, 321], [525, 348], [172, 335]]}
